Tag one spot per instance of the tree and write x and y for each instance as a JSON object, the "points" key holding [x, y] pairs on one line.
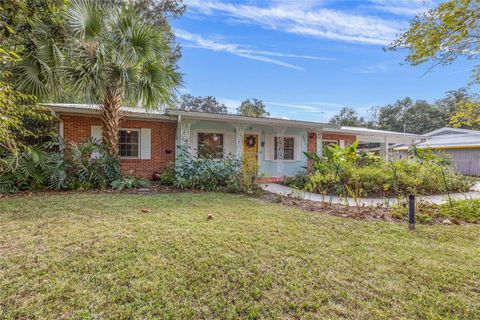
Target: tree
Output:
{"points": [[443, 34], [423, 117], [158, 13], [253, 108], [15, 110], [405, 115], [449, 103], [390, 117], [467, 115], [19, 18], [201, 104], [113, 58], [347, 117]]}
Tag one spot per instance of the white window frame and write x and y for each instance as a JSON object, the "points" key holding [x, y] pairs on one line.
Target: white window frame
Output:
{"points": [[294, 149], [271, 148], [139, 143], [324, 141], [196, 140]]}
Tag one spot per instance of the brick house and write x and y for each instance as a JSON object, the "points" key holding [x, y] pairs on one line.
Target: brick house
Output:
{"points": [[149, 141]]}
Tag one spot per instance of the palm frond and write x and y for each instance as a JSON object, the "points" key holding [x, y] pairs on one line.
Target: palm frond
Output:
{"points": [[85, 18], [155, 85]]}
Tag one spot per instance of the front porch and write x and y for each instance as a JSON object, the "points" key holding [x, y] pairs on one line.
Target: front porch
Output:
{"points": [[270, 149]]}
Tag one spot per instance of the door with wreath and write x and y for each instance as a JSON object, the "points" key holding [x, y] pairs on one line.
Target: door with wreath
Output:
{"points": [[250, 155]]}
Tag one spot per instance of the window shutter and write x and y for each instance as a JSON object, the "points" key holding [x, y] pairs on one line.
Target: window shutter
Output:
{"points": [[297, 148], [96, 132], [61, 129], [229, 143], [145, 143], [193, 147], [269, 145]]}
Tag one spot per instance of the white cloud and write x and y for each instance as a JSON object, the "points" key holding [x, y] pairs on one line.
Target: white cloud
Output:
{"points": [[308, 108], [308, 19], [372, 68], [198, 41], [404, 7], [231, 104]]}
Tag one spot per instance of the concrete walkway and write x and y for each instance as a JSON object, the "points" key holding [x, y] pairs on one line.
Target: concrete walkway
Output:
{"points": [[436, 199]]}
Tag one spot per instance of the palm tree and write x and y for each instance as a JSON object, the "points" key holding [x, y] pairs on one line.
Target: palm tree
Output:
{"points": [[112, 58]]}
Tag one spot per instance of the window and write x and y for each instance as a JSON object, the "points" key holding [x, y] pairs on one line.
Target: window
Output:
{"points": [[210, 145], [128, 144], [288, 147], [329, 142]]}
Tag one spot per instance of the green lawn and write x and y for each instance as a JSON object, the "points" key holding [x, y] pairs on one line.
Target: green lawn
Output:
{"points": [[98, 256]]}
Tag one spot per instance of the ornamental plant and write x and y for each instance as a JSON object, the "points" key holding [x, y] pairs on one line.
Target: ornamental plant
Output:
{"points": [[206, 173], [58, 166], [346, 172]]}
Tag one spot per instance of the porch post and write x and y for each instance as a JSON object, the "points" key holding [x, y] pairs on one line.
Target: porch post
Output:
{"points": [[319, 134], [185, 135], [280, 151], [384, 148], [239, 134]]}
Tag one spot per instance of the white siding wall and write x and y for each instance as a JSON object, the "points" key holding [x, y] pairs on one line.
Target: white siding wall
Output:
{"points": [[466, 161]]}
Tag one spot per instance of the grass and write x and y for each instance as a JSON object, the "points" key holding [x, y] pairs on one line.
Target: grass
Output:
{"points": [[98, 256]]}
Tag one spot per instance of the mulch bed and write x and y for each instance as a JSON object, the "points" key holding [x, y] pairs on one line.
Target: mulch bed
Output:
{"points": [[361, 213], [372, 213], [155, 188]]}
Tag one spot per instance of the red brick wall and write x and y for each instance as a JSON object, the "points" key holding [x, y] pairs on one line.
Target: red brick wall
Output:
{"points": [[78, 128], [312, 140]]}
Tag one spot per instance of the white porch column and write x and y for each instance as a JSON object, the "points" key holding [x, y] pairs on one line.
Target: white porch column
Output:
{"points": [[384, 149], [280, 151], [239, 134], [319, 143], [185, 133]]}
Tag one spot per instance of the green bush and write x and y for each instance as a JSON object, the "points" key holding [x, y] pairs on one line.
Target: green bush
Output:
{"points": [[129, 183], [347, 173], [206, 173], [298, 181], [59, 166], [465, 210], [168, 176]]}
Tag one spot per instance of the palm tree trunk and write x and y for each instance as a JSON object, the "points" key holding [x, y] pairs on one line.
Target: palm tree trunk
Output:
{"points": [[111, 116]]}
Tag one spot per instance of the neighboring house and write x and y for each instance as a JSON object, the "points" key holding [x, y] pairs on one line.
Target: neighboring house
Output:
{"points": [[461, 145], [149, 140]]}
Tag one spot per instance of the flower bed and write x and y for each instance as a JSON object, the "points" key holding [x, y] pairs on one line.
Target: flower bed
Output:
{"points": [[345, 172]]}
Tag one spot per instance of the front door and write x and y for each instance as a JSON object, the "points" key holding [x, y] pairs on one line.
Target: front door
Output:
{"points": [[250, 155]]}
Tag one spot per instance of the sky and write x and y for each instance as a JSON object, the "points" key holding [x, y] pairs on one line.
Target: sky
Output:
{"points": [[306, 59]]}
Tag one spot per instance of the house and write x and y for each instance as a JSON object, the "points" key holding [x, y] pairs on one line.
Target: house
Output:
{"points": [[149, 140], [462, 146]]}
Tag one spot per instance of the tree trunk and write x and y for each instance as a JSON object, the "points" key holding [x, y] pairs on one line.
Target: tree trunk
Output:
{"points": [[111, 116]]}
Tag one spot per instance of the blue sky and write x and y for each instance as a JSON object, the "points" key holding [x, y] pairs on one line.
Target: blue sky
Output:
{"points": [[307, 58]]}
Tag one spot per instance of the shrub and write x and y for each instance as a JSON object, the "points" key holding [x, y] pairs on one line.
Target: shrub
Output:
{"points": [[298, 181], [207, 173], [465, 210], [129, 183], [168, 176], [348, 173], [59, 166]]}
